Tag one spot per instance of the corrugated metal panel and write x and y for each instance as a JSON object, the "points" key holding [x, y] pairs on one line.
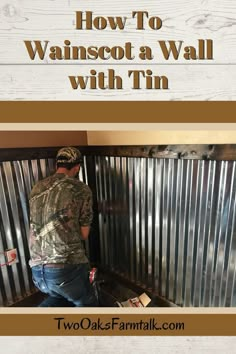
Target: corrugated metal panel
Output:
{"points": [[170, 225], [16, 181]]}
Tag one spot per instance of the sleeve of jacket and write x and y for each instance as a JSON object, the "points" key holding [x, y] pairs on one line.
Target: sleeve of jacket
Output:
{"points": [[86, 210]]}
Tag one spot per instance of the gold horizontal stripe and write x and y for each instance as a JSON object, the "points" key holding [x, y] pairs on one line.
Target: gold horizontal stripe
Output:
{"points": [[117, 111], [118, 324]]}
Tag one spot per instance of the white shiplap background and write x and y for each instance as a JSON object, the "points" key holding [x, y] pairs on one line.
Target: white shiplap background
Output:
{"points": [[119, 345], [22, 79], [54, 20]]}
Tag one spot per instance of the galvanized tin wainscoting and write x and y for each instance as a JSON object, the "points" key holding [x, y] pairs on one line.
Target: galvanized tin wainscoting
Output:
{"points": [[164, 219], [169, 225], [16, 181]]}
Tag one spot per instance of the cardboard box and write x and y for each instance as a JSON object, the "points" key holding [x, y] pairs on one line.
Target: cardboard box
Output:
{"points": [[139, 301]]}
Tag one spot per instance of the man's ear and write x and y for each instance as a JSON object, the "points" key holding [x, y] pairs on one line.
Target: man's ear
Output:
{"points": [[76, 169]]}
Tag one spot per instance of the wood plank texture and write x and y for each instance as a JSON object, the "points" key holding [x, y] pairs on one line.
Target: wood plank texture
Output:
{"points": [[105, 345], [25, 79]]}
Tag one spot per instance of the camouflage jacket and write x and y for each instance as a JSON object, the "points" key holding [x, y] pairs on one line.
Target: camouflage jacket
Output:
{"points": [[59, 206]]}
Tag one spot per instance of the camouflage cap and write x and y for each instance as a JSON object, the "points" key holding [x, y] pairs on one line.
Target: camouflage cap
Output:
{"points": [[69, 154]]}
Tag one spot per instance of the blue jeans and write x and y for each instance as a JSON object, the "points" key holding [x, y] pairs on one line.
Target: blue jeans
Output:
{"points": [[67, 286]]}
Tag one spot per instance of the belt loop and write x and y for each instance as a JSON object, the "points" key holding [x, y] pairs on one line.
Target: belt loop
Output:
{"points": [[42, 272]]}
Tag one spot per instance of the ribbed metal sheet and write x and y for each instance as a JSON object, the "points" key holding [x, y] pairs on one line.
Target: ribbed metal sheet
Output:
{"points": [[170, 226], [16, 181], [166, 224]]}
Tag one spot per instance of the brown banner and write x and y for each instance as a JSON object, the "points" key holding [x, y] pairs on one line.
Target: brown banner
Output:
{"points": [[117, 112], [118, 324]]}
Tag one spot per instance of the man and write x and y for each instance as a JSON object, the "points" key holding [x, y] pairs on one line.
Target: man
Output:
{"points": [[60, 218]]}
